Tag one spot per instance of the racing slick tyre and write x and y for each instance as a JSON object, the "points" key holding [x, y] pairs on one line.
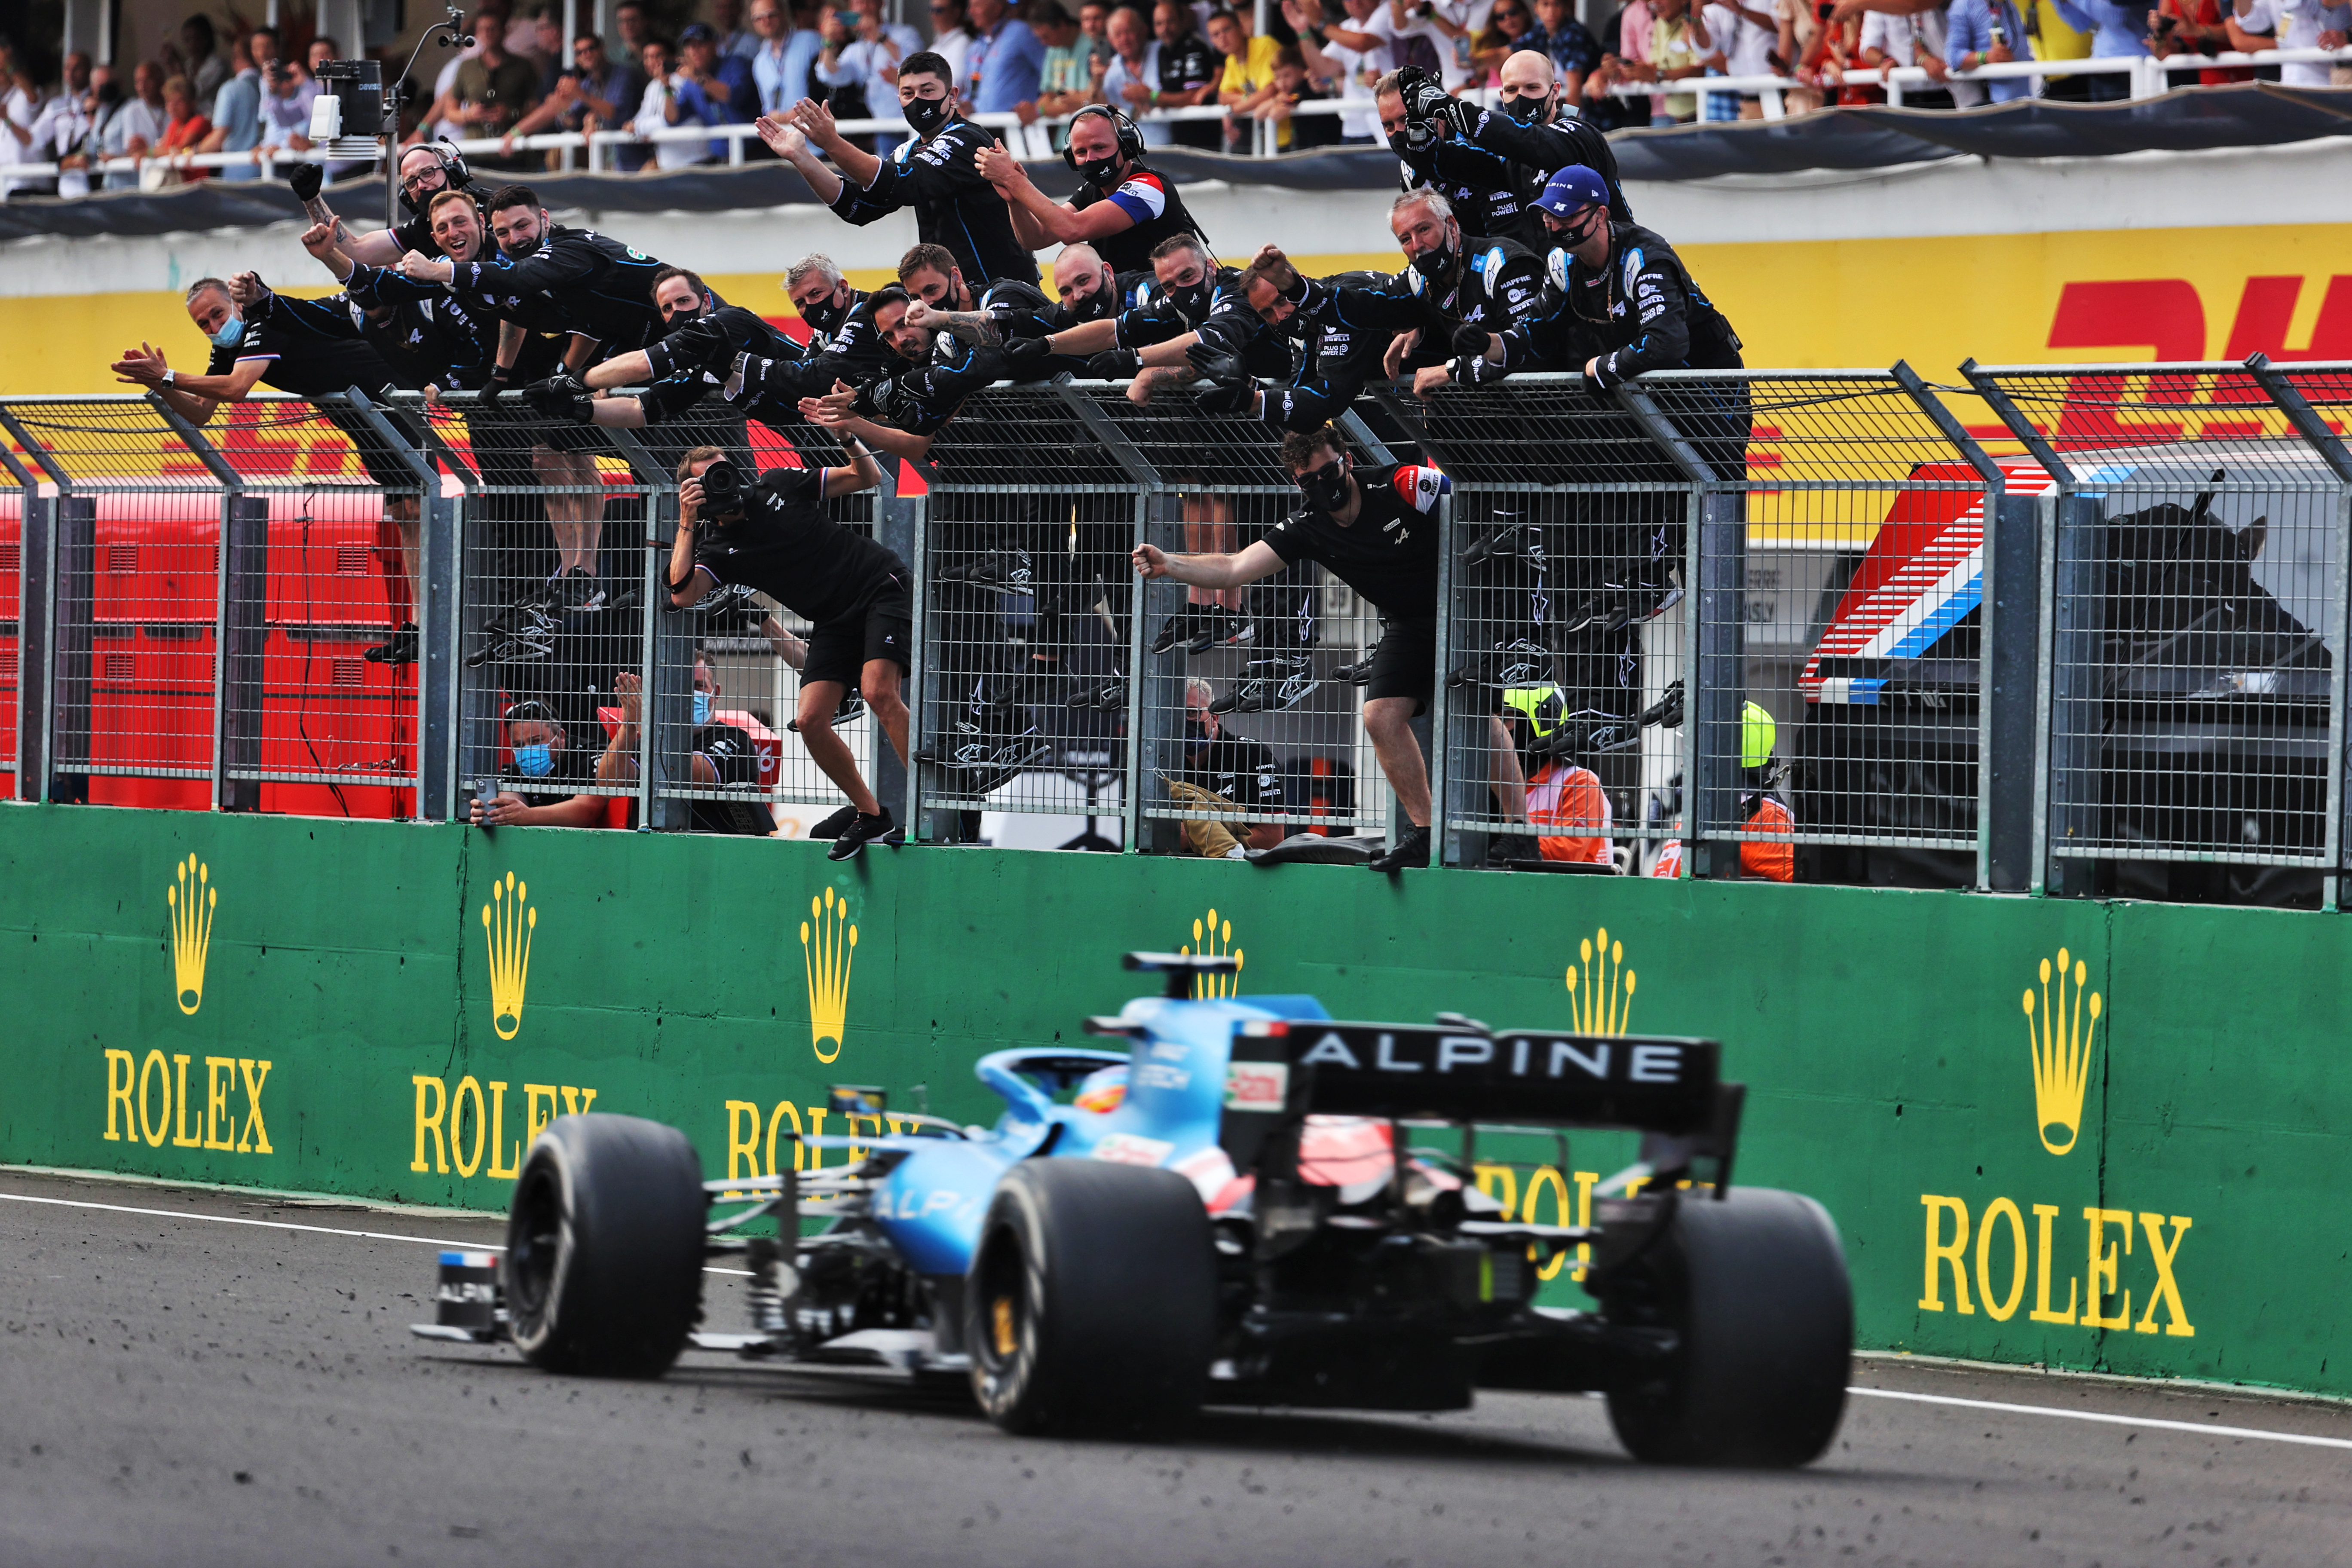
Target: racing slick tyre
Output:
{"points": [[1092, 1301], [1756, 1288], [604, 1247]]}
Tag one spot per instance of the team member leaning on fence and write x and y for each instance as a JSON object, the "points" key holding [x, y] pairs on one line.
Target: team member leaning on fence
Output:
{"points": [[1376, 530], [773, 534], [1337, 356], [1124, 210], [935, 174], [426, 170], [691, 362], [310, 352], [845, 347], [1481, 186], [1191, 301], [933, 369]]}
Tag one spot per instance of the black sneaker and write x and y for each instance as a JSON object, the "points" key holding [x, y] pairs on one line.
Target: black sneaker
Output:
{"points": [[1491, 543], [533, 639], [1667, 710], [401, 649], [987, 762], [1359, 673], [1220, 627], [1296, 686], [862, 830], [1176, 629], [1515, 663], [526, 606], [577, 589], [1249, 693], [1413, 849], [1005, 570], [731, 611], [831, 827], [853, 706]]}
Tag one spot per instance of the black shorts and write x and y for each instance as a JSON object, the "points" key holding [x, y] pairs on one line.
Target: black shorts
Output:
{"points": [[1406, 664], [884, 627]]}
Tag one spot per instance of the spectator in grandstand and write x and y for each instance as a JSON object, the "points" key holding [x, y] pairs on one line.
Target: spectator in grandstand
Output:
{"points": [[950, 35], [632, 30], [735, 41], [1376, 530], [954, 203], [785, 56], [869, 62], [1065, 78], [1223, 771], [1247, 80], [1479, 187], [1988, 32], [665, 106], [1679, 47], [1746, 33], [288, 93], [64, 124], [196, 56], [2195, 27], [1130, 78], [2257, 26], [2118, 31], [717, 89], [1572, 49], [491, 92], [1510, 27], [1124, 210], [1002, 68], [772, 535], [1434, 37], [1189, 71], [1294, 85], [1342, 69], [138, 129], [596, 94], [185, 128], [20, 105], [1913, 38]]}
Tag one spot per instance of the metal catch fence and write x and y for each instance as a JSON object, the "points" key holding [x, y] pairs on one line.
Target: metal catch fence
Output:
{"points": [[2073, 629]]}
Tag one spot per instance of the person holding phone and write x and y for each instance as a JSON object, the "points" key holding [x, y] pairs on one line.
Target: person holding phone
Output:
{"points": [[1989, 33]]}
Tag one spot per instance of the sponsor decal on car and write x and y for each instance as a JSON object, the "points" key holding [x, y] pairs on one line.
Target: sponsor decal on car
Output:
{"points": [[1132, 1149], [1256, 1086]]}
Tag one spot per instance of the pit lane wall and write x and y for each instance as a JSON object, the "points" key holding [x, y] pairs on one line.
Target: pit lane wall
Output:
{"points": [[2091, 1136]]}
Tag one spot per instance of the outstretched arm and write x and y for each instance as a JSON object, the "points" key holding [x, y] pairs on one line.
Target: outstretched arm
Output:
{"points": [[1259, 559]]}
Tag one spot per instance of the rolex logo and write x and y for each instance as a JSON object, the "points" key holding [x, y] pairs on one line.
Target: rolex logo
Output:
{"points": [[193, 899], [508, 925], [1599, 986], [828, 944], [2062, 1044], [1212, 941]]}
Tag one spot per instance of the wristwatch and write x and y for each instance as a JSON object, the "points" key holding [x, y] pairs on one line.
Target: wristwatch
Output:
{"points": [[170, 377]]}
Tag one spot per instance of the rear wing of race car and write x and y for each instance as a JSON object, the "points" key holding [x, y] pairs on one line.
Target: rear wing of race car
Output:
{"points": [[1666, 1088]]}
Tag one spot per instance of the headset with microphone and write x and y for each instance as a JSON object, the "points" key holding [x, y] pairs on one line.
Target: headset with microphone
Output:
{"points": [[1130, 135]]}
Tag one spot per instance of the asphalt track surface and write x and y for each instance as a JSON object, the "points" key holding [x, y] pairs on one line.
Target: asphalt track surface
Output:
{"points": [[174, 1390]]}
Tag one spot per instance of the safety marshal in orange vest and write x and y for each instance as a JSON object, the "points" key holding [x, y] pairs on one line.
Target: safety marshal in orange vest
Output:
{"points": [[1761, 810]]}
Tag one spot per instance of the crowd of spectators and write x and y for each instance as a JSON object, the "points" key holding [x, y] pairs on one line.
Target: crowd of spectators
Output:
{"points": [[251, 92]]}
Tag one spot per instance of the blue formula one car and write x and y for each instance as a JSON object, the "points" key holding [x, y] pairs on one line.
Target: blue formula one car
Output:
{"points": [[1222, 1215]]}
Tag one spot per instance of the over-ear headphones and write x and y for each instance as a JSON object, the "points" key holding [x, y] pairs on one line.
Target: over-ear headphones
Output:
{"points": [[454, 169], [1130, 135]]}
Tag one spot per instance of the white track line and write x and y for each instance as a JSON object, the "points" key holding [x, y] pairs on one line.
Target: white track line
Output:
{"points": [[284, 1225], [2200, 1427]]}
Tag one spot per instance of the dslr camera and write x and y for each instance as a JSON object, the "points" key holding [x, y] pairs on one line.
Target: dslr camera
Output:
{"points": [[725, 489]]}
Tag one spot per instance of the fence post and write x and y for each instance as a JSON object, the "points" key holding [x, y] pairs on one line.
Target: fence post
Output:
{"points": [[35, 578], [242, 583], [2005, 603], [894, 530], [1715, 593], [437, 799], [2057, 610], [1452, 783], [666, 666], [2331, 451]]}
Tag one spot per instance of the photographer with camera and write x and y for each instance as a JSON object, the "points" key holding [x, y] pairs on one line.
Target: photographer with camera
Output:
{"points": [[1536, 130], [773, 535], [1481, 188]]}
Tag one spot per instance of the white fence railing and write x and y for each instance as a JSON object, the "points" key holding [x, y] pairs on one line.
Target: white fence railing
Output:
{"points": [[2148, 79]]}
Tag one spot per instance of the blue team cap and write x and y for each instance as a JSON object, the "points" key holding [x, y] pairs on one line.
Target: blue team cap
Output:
{"points": [[1571, 190], [698, 32]]}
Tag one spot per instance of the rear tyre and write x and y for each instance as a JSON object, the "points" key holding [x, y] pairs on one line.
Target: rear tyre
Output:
{"points": [[1091, 1303], [603, 1261], [1756, 1287]]}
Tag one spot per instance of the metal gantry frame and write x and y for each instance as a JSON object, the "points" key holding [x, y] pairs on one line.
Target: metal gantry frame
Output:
{"points": [[2037, 725]]}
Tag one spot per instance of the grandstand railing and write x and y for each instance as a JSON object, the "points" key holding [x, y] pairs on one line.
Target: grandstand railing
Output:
{"points": [[2070, 628]]}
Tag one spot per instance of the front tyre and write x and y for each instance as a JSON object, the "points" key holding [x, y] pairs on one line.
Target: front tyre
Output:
{"points": [[1091, 1305], [603, 1260], [1755, 1286]]}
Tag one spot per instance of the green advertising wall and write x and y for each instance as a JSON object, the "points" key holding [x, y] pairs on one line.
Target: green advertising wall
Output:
{"points": [[2133, 1176]]}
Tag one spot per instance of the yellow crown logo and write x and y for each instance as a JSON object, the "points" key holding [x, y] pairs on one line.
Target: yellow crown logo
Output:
{"points": [[507, 926], [1212, 941], [828, 944], [193, 899], [2062, 1054], [1599, 986]]}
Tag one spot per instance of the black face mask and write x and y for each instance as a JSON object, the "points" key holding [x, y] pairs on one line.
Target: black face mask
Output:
{"points": [[926, 114], [823, 317], [1437, 262], [517, 249], [1093, 307], [1417, 157], [1326, 489], [1528, 110], [1191, 300], [1102, 174], [1196, 736]]}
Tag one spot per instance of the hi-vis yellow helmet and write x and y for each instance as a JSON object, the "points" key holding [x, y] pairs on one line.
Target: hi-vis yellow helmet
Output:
{"points": [[1541, 706], [1757, 735]]}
